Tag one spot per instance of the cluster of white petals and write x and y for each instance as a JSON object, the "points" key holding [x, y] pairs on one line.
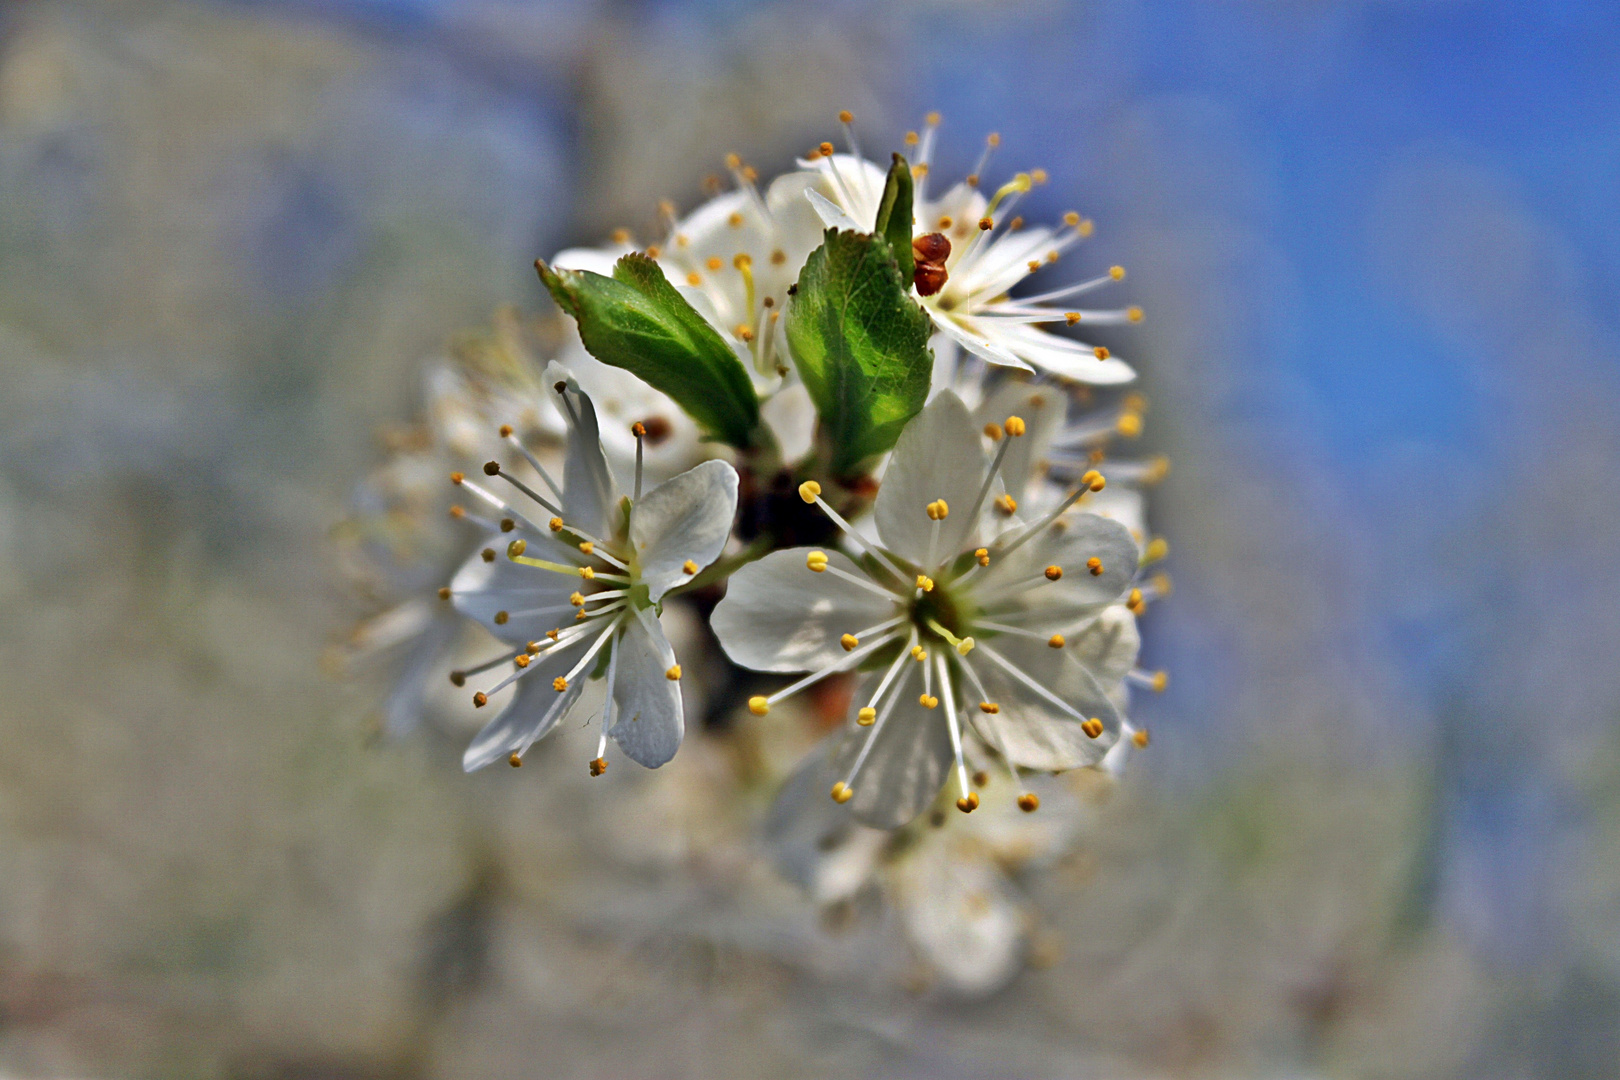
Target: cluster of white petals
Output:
{"points": [[580, 592]]}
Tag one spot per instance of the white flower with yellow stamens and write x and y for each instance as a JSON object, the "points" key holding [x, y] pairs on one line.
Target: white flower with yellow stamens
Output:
{"points": [[575, 585], [991, 252], [961, 636]]}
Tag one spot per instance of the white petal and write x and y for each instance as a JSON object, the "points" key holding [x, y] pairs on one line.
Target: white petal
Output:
{"points": [[687, 517], [976, 343], [1052, 607], [588, 490], [1057, 354], [647, 719], [1030, 730], [779, 615], [533, 711], [791, 416], [814, 841], [828, 211], [964, 917], [938, 457], [482, 589], [596, 260], [1108, 646], [910, 758]]}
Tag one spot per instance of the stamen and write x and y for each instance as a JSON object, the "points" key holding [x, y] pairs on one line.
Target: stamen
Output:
{"points": [[854, 657], [969, 801], [1150, 680], [534, 462], [877, 727], [639, 430], [493, 468], [1012, 669], [810, 492]]}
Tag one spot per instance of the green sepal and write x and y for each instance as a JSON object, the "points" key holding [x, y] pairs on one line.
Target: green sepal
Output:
{"points": [[861, 346], [894, 216], [638, 321]]}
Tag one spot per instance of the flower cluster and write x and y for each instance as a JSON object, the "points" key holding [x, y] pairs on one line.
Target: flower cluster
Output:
{"points": [[816, 412]]}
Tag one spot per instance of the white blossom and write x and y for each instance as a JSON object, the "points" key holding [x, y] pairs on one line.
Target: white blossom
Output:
{"points": [[578, 593], [968, 638], [991, 252]]}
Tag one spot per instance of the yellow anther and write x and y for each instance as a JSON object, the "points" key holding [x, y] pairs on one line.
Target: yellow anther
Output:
{"points": [[938, 510], [1136, 403], [925, 583], [816, 560], [827, 149], [714, 263], [944, 223], [1055, 641], [1034, 265], [965, 646], [1117, 273], [1038, 175], [1100, 352], [587, 573], [554, 633], [598, 766], [488, 554], [1029, 802], [521, 660], [533, 647], [928, 701], [458, 512], [444, 592], [845, 116], [1130, 425], [1093, 727], [1086, 228], [580, 616], [742, 260], [912, 138], [1161, 679], [1140, 739], [1133, 313], [932, 119], [759, 705], [638, 429], [689, 567], [515, 760], [866, 717], [501, 618], [1157, 470], [1093, 479], [989, 708], [1071, 317], [620, 236], [842, 792], [1014, 426], [735, 220], [1157, 549], [694, 279], [1134, 602], [849, 642], [992, 431], [586, 546], [559, 684], [918, 653], [1006, 504], [1161, 584], [1095, 565], [1015, 224], [480, 699], [653, 251], [744, 332], [993, 139], [1072, 220], [968, 803], [982, 556], [456, 478], [577, 599], [986, 224], [809, 491], [1053, 572], [556, 524]]}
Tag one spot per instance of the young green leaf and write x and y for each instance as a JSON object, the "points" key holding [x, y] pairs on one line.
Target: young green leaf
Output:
{"points": [[637, 320], [894, 215], [861, 345]]}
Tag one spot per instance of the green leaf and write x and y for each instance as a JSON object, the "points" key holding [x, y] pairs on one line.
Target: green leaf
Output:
{"points": [[894, 215], [637, 320], [861, 345]]}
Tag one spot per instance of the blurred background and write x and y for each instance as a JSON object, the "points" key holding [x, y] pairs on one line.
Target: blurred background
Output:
{"points": [[1378, 831]]}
